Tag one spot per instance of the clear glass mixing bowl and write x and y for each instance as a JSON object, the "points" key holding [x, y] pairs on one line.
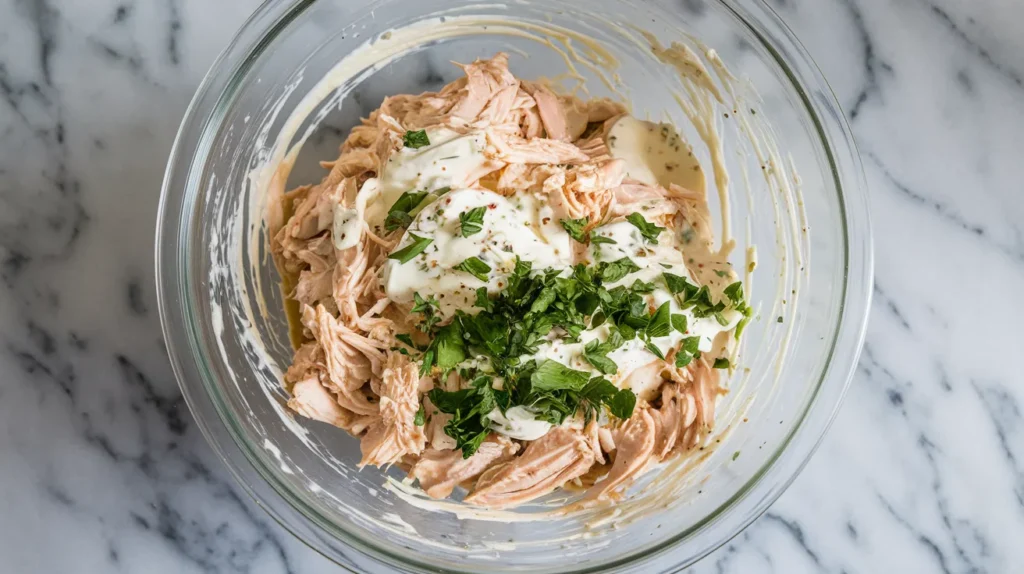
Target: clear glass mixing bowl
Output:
{"points": [[226, 333]]}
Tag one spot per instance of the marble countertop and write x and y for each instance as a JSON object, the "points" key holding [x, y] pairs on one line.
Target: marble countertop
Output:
{"points": [[104, 470]]}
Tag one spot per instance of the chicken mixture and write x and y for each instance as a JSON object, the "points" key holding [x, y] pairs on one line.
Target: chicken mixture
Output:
{"points": [[511, 290]]}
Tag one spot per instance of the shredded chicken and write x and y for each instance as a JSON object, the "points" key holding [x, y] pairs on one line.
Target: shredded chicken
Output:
{"points": [[440, 471], [346, 370], [547, 463], [395, 434]]}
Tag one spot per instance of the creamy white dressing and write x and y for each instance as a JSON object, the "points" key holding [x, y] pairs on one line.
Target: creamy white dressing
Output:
{"points": [[518, 422], [655, 154], [346, 231], [451, 160], [653, 259], [522, 225]]}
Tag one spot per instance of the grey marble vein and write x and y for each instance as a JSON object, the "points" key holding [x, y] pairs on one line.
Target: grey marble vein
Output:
{"points": [[105, 471]]}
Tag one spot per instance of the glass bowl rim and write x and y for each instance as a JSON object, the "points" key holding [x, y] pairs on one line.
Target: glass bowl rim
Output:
{"points": [[183, 339]]}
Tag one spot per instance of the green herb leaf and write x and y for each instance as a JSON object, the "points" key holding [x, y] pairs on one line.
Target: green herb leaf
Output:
{"points": [[678, 284], [615, 340], [622, 404], [654, 350], [660, 325], [650, 231], [679, 323], [597, 392], [417, 246], [596, 353], [469, 408], [421, 417], [416, 139], [721, 363], [553, 376], [428, 307], [702, 305], [449, 402], [405, 338], [421, 305], [475, 267], [397, 220], [449, 348], [734, 292], [689, 348], [471, 222], [599, 239], [398, 215], [482, 300], [612, 272], [574, 227], [641, 287], [691, 345]]}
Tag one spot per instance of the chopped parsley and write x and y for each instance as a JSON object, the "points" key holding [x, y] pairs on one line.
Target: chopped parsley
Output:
{"points": [[649, 230], [575, 228], [445, 351], [472, 221], [416, 139], [512, 326], [483, 301], [475, 267], [405, 338], [417, 246], [421, 417], [678, 284], [596, 353], [679, 323], [553, 376], [398, 216], [661, 322], [428, 307], [654, 350], [735, 294], [700, 302], [469, 407], [612, 272], [689, 349], [621, 405]]}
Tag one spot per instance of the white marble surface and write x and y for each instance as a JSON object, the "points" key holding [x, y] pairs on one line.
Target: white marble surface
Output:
{"points": [[104, 470]]}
